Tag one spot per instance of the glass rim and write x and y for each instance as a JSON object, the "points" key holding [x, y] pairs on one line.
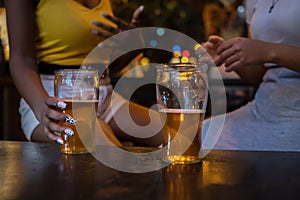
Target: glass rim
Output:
{"points": [[173, 66], [75, 72]]}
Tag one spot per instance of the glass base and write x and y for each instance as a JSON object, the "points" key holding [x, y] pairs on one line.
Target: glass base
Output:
{"points": [[182, 159], [77, 151]]}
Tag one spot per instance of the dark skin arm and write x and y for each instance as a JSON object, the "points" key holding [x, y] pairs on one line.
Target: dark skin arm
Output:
{"points": [[251, 74], [139, 114], [247, 56], [23, 67], [238, 52]]}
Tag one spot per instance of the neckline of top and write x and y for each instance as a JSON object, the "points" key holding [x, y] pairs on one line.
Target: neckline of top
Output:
{"points": [[86, 6]]}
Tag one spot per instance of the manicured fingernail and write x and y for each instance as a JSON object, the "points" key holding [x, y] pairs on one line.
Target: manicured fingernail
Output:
{"points": [[61, 105], [95, 22], [60, 141], [141, 8], [94, 31], [70, 120], [69, 132], [104, 14]]}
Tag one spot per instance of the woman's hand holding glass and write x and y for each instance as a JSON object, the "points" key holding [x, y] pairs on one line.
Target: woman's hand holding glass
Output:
{"points": [[49, 118]]}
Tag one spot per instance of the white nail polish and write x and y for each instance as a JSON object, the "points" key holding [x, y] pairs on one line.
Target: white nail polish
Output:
{"points": [[65, 137], [69, 132], [60, 141], [104, 14], [61, 105], [94, 31], [141, 8]]}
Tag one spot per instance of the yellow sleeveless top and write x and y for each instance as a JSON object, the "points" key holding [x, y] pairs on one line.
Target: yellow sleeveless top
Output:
{"points": [[64, 30]]}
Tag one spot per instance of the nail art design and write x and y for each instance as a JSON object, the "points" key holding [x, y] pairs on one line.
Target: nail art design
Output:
{"points": [[69, 132], [65, 137], [70, 120]]}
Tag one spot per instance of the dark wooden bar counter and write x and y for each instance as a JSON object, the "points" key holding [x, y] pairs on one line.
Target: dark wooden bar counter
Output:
{"points": [[39, 171]]}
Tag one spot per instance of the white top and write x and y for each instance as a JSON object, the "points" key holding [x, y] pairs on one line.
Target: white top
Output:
{"points": [[272, 120], [278, 97]]}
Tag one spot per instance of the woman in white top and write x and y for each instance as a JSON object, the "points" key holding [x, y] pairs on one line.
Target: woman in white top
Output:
{"points": [[270, 60]]}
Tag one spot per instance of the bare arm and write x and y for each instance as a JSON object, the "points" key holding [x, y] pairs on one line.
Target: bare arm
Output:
{"points": [[239, 52], [23, 66], [284, 55], [252, 74], [141, 117], [247, 56]]}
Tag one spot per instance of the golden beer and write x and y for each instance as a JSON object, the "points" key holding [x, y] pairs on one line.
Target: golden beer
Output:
{"points": [[182, 135], [83, 140]]}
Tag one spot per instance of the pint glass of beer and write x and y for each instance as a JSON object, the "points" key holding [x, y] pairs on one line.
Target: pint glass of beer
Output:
{"points": [[181, 91], [79, 89]]}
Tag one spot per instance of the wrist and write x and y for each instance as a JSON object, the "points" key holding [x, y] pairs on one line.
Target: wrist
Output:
{"points": [[39, 109]]}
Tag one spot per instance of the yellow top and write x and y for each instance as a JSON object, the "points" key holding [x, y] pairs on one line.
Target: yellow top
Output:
{"points": [[65, 26], [3, 33]]}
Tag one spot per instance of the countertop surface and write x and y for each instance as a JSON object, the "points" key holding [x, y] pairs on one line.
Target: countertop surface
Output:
{"points": [[39, 171]]}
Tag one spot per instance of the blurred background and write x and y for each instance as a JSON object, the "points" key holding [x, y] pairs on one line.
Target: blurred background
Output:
{"points": [[195, 18]]}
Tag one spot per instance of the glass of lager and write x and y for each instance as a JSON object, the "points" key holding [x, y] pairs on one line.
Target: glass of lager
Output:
{"points": [[79, 89], [182, 92]]}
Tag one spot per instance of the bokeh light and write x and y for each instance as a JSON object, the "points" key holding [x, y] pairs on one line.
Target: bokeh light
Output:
{"points": [[145, 61], [184, 60], [153, 43], [186, 53], [175, 60], [176, 48], [197, 46], [160, 31]]}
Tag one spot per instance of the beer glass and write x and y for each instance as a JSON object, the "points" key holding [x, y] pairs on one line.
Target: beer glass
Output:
{"points": [[181, 91], [79, 89]]}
